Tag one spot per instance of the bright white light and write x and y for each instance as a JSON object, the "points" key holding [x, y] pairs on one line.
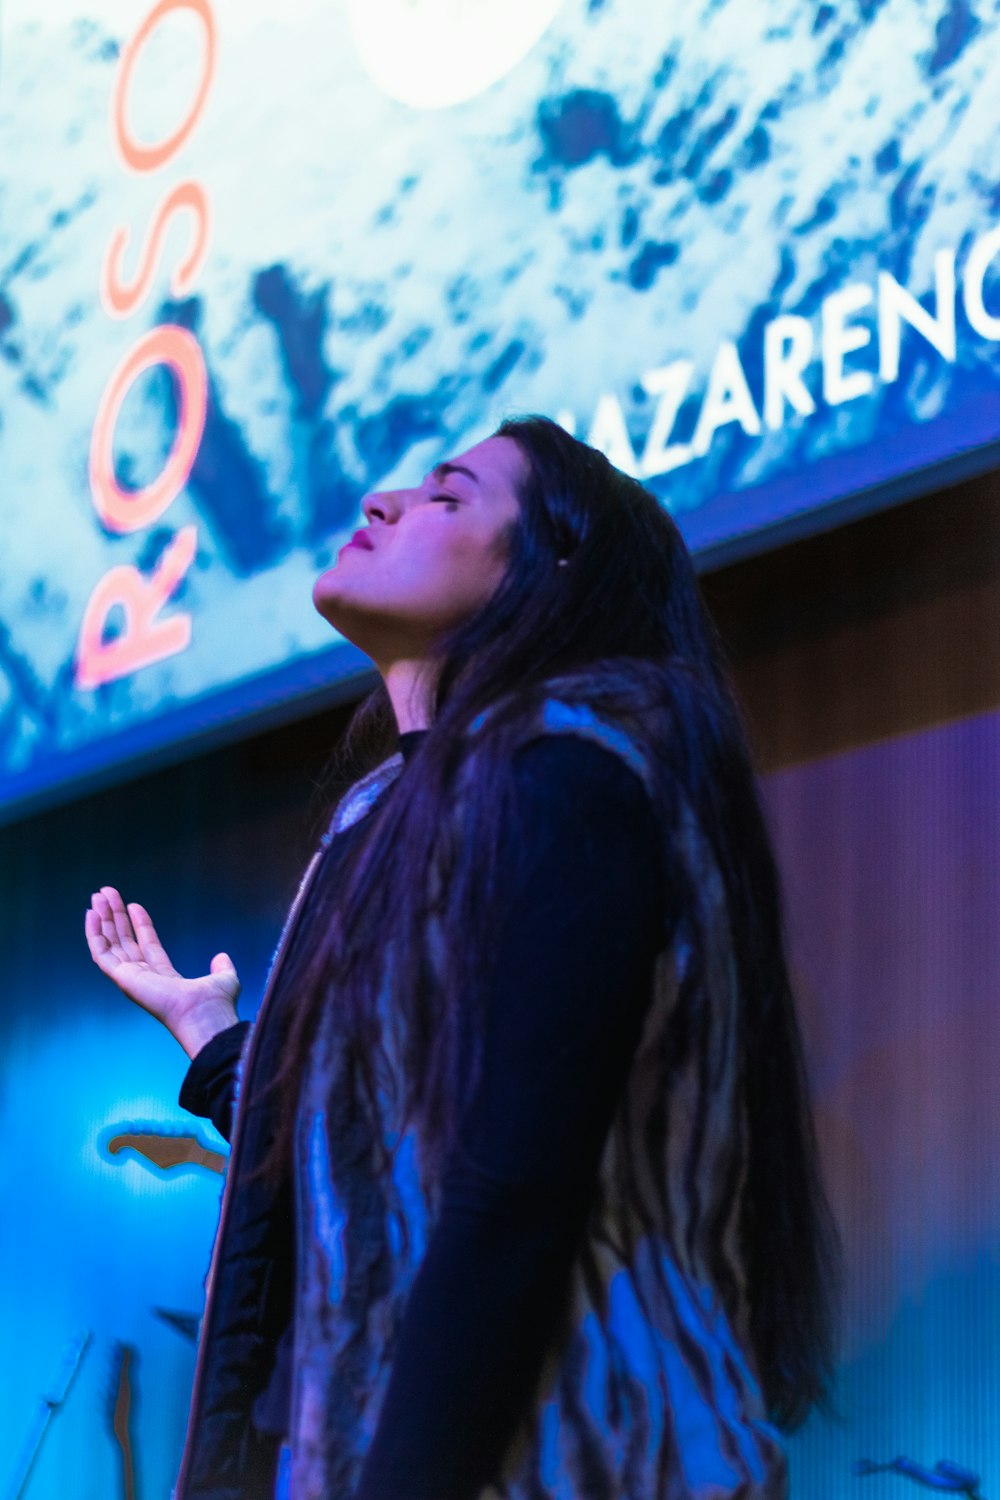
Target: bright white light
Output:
{"points": [[433, 53]]}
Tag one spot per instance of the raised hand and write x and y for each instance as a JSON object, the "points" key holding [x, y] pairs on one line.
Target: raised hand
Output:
{"points": [[124, 945]]}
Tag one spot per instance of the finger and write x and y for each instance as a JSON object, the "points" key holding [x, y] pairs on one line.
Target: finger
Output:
{"points": [[109, 927], [123, 925], [223, 969], [100, 951], [102, 907], [145, 935]]}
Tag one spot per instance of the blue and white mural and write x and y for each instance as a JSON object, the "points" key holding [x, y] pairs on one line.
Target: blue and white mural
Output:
{"points": [[254, 263]]}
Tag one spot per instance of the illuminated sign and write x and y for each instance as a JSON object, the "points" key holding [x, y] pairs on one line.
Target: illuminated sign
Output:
{"points": [[253, 266]]}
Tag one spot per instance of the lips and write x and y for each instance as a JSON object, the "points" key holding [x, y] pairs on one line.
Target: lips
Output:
{"points": [[361, 539]]}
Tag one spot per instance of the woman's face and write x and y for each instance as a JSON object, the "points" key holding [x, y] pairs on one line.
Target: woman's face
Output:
{"points": [[437, 554]]}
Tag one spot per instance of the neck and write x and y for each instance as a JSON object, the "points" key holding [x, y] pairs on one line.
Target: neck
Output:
{"points": [[408, 684]]}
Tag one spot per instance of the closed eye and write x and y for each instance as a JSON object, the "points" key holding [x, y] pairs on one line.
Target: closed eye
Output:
{"points": [[449, 499]]}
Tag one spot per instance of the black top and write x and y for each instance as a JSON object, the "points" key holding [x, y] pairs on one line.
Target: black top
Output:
{"points": [[568, 987]]}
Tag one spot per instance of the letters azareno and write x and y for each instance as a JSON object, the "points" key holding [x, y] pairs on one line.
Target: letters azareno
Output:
{"points": [[790, 348]]}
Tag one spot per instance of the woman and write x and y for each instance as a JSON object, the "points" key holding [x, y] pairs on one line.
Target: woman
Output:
{"points": [[522, 1198]]}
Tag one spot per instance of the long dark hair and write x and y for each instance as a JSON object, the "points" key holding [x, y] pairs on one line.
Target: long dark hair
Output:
{"points": [[626, 617]]}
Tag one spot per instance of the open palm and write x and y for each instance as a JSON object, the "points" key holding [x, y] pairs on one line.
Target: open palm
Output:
{"points": [[124, 945]]}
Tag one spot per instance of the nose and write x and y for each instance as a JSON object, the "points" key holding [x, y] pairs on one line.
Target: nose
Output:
{"points": [[385, 504], [374, 505]]}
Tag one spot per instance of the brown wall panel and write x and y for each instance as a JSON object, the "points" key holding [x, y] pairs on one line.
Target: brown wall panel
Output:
{"points": [[883, 627]]}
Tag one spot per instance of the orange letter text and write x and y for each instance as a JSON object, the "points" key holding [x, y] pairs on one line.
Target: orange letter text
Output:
{"points": [[135, 154], [119, 297], [144, 639], [127, 510]]}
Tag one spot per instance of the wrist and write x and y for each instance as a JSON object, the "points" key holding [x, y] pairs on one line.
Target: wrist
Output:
{"points": [[197, 1027]]}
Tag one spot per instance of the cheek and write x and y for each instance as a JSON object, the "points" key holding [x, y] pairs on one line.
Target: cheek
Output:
{"points": [[451, 583], [456, 566], [473, 571]]}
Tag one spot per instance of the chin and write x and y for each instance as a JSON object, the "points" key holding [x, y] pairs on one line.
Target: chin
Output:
{"points": [[325, 603], [325, 585]]}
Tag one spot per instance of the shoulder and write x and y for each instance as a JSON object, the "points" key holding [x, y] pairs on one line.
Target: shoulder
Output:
{"points": [[575, 795], [563, 763]]}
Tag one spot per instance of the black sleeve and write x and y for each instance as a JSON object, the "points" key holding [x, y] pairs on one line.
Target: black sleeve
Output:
{"points": [[210, 1082], [567, 993]]}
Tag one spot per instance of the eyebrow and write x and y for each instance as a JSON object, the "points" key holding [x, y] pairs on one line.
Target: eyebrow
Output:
{"points": [[441, 471]]}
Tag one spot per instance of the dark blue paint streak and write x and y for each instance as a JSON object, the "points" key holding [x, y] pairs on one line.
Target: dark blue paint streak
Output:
{"points": [[751, 348], [687, 416], [629, 227], [503, 365], [910, 204], [954, 30], [834, 53], [384, 437], [707, 141], [8, 319], [152, 549], [59, 219], [32, 385], [10, 732], [462, 297], [650, 260], [825, 210], [669, 141], [887, 158], [581, 125], [717, 186], [227, 482], [414, 341], [299, 320], [368, 319], [838, 260], [785, 276], [29, 694], [665, 71], [756, 148], [333, 495]]}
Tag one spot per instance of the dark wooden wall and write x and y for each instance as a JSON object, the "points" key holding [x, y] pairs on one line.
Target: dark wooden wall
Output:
{"points": [[881, 627]]}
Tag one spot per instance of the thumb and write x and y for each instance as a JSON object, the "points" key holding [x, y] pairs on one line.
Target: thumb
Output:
{"points": [[221, 961]]}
